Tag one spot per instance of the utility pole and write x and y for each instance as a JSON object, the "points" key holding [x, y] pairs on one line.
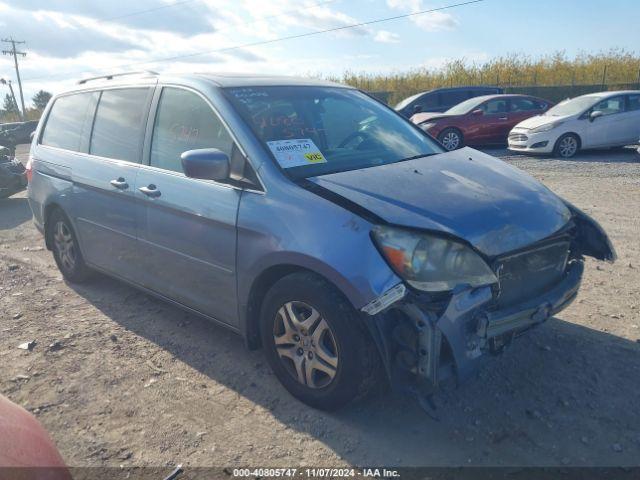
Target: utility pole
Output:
{"points": [[13, 52]]}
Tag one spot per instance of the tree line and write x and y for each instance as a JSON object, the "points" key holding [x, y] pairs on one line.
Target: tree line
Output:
{"points": [[606, 69], [10, 113]]}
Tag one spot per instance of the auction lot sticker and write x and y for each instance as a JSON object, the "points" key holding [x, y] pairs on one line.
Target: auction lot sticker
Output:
{"points": [[295, 153]]}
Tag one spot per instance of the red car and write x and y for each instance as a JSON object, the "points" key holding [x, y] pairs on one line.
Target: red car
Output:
{"points": [[481, 120]]}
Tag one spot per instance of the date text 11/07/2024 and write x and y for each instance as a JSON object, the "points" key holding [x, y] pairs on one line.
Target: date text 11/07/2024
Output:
{"points": [[315, 472]]}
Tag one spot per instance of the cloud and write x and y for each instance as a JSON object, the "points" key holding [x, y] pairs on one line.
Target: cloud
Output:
{"points": [[56, 34], [68, 40], [431, 22], [384, 36], [183, 16]]}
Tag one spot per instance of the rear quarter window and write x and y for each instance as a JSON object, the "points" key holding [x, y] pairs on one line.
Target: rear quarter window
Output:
{"points": [[119, 123], [69, 122]]}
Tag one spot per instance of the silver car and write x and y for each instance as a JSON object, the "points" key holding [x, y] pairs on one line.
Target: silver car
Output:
{"points": [[309, 218]]}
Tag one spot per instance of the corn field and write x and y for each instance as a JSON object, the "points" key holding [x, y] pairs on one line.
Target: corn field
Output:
{"points": [[513, 71]]}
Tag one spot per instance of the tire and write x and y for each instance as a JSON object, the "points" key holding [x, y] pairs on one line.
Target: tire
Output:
{"points": [[451, 139], [567, 145], [64, 244], [334, 340]]}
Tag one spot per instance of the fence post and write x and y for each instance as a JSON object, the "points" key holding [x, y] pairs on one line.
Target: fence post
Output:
{"points": [[604, 75], [638, 77]]}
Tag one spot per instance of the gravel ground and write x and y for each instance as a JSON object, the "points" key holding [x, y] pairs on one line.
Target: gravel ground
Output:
{"points": [[120, 378]]}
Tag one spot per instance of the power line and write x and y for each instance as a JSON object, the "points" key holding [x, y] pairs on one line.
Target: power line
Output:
{"points": [[307, 34], [141, 12], [293, 37], [14, 53], [267, 17]]}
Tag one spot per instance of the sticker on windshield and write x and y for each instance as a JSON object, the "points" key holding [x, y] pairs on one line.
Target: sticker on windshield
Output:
{"points": [[295, 153]]}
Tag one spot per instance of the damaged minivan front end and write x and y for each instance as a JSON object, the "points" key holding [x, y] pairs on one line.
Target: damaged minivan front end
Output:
{"points": [[428, 334], [484, 251]]}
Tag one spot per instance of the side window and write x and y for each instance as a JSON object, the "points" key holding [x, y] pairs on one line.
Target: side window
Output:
{"points": [[119, 123], [69, 122], [428, 101], [453, 98], [184, 121], [610, 105], [523, 105], [633, 102], [494, 106]]}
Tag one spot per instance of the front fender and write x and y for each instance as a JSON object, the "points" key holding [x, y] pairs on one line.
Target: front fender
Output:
{"points": [[591, 239]]}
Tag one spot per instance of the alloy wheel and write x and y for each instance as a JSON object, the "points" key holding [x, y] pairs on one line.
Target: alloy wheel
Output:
{"points": [[568, 147], [451, 141], [63, 241], [305, 344]]}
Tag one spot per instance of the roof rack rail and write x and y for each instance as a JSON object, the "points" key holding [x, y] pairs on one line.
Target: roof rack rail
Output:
{"points": [[111, 76]]}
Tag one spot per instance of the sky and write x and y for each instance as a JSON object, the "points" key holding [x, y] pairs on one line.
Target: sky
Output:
{"points": [[70, 39]]}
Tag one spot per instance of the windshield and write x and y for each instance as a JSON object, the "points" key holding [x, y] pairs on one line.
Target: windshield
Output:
{"points": [[572, 106], [466, 106], [313, 131]]}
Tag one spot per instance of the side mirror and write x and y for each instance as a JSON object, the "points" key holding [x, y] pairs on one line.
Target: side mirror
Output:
{"points": [[595, 114], [417, 109], [477, 112], [31, 135], [206, 164]]}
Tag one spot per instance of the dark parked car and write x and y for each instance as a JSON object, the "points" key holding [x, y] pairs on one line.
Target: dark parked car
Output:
{"points": [[441, 99], [13, 177], [20, 131], [481, 120]]}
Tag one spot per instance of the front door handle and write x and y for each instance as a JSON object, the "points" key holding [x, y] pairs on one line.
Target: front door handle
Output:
{"points": [[150, 191], [120, 183], [503, 118]]}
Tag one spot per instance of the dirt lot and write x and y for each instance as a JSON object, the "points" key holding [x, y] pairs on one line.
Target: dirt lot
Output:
{"points": [[138, 382]]}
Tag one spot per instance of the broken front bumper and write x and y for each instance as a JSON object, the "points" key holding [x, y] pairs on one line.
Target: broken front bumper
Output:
{"points": [[426, 341]]}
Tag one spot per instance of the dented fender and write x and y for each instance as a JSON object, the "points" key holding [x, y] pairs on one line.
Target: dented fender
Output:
{"points": [[591, 240]]}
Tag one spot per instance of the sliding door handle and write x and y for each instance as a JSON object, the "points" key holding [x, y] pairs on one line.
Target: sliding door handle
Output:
{"points": [[150, 191], [120, 183]]}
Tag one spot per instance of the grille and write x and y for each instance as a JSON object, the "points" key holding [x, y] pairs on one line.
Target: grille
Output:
{"points": [[518, 137], [525, 275]]}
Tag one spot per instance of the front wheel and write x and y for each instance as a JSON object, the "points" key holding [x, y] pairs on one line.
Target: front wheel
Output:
{"points": [[315, 344], [451, 139], [567, 145]]}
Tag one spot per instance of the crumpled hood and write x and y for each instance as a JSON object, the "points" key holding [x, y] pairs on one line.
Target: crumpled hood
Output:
{"points": [[426, 116], [538, 120], [490, 204]]}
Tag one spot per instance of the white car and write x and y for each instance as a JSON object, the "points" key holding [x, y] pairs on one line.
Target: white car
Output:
{"points": [[596, 120]]}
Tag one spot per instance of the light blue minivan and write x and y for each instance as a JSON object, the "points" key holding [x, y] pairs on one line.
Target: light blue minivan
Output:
{"points": [[309, 218]]}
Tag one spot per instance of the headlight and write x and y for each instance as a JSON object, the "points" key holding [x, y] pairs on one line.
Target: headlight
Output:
{"points": [[431, 263], [546, 127], [427, 125]]}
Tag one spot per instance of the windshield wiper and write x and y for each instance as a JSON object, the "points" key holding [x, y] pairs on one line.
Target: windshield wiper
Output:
{"points": [[415, 157]]}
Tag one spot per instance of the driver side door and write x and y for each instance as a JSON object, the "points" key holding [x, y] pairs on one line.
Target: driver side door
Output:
{"points": [[609, 128]]}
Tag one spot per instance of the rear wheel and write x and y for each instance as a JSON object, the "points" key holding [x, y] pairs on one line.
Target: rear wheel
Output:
{"points": [[451, 139], [315, 344], [66, 251], [567, 145]]}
